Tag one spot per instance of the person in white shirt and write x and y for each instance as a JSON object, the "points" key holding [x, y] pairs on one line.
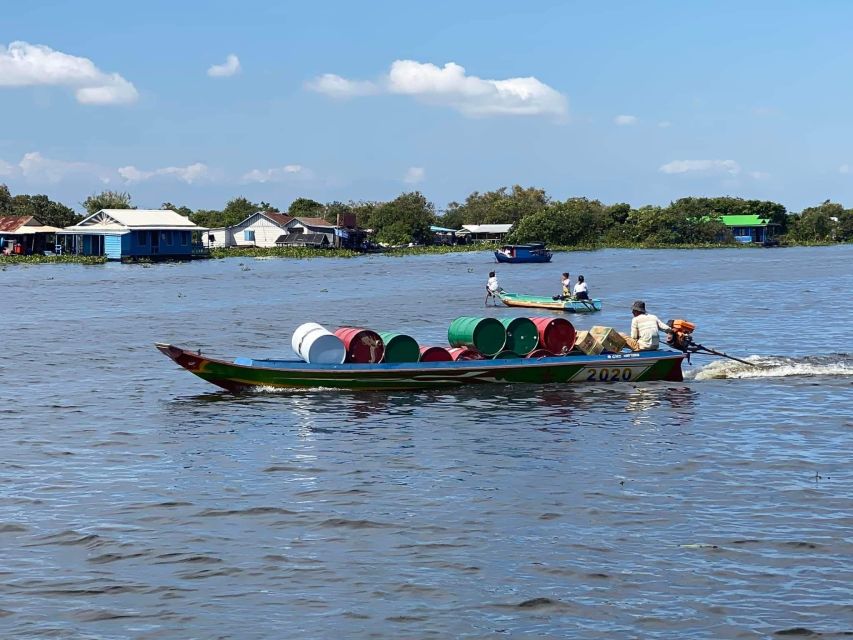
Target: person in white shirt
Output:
{"points": [[581, 291], [644, 329], [493, 289], [566, 282]]}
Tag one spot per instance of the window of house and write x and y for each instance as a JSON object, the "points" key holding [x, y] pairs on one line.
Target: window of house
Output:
{"points": [[249, 235], [142, 238], [167, 236], [185, 238]]}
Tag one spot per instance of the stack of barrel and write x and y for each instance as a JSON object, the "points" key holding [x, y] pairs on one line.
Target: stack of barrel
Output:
{"points": [[503, 338], [470, 338]]}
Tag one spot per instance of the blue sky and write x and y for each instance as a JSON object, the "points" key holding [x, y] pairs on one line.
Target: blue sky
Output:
{"points": [[624, 102]]}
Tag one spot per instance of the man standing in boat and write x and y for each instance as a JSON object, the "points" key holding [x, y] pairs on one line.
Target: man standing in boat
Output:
{"points": [[493, 289], [644, 329]]}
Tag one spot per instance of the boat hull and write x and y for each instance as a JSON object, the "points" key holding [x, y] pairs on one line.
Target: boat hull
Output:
{"points": [[244, 373], [502, 257], [542, 302]]}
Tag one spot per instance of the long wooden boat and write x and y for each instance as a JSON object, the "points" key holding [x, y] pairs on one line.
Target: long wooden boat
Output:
{"points": [[544, 302], [238, 374]]}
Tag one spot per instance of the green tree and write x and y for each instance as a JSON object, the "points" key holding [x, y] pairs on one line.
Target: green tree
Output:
{"points": [[238, 209], [184, 211], [496, 207], [364, 212], [107, 200], [672, 225], [816, 224], [333, 209], [45, 210], [844, 228], [577, 221], [405, 219], [306, 208], [207, 218], [5, 201]]}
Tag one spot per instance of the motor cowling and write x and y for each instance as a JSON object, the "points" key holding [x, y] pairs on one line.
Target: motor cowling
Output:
{"points": [[681, 337]]}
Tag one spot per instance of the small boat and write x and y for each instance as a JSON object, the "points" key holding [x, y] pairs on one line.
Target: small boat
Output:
{"points": [[516, 253], [239, 374], [544, 302]]}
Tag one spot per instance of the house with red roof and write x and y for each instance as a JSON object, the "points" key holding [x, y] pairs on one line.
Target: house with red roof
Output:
{"points": [[26, 235]]}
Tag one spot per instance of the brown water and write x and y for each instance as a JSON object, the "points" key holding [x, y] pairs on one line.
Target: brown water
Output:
{"points": [[139, 502]]}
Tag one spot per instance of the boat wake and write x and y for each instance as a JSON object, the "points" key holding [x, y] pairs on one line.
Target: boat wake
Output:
{"points": [[837, 364]]}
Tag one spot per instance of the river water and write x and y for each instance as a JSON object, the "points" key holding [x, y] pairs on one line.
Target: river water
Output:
{"points": [[140, 502]]}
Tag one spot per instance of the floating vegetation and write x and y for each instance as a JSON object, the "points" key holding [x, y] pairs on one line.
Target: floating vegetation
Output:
{"points": [[60, 259], [281, 252]]}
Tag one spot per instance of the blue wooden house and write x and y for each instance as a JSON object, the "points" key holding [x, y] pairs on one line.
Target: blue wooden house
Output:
{"points": [[128, 234]]}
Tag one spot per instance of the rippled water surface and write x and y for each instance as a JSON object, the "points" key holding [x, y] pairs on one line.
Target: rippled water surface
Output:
{"points": [[139, 502]]}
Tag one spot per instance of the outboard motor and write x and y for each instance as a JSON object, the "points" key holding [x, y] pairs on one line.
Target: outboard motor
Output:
{"points": [[681, 337]]}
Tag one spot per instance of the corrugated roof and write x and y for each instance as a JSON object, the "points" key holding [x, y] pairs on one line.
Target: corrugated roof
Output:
{"points": [[127, 219], [487, 228], [314, 222], [751, 220], [149, 218], [303, 238], [279, 218], [13, 223]]}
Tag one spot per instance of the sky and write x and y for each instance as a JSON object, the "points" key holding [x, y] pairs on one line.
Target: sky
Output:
{"points": [[195, 103]]}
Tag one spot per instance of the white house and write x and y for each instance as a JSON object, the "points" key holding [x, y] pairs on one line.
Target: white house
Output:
{"points": [[265, 229], [485, 231], [261, 229]]}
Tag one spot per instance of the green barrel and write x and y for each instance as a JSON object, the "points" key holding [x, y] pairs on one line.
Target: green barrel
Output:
{"points": [[399, 347], [486, 335], [506, 354], [522, 336]]}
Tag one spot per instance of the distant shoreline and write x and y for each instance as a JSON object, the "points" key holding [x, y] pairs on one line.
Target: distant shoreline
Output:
{"points": [[305, 252]]}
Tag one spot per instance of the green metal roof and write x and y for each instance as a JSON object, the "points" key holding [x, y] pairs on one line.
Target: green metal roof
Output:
{"points": [[751, 220]]}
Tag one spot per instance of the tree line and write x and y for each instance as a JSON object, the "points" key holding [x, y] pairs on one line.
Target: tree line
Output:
{"points": [[534, 215]]}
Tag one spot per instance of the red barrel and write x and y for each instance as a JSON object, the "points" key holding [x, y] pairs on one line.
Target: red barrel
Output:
{"points": [[556, 335], [363, 345], [435, 354], [540, 353], [464, 353]]}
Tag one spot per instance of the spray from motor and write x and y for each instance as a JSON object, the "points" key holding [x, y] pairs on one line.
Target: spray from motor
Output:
{"points": [[681, 338]]}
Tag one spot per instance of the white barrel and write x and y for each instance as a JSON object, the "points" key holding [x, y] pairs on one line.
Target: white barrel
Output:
{"points": [[300, 332], [316, 345]]}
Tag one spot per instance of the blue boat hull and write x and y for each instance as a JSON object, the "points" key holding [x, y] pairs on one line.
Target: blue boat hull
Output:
{"points": [[502, 257]]}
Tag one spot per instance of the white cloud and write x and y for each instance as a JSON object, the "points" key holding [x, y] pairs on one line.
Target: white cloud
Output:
{"points": [[414, 175], [229, 68], [6, 169], [335, 86], [189, 174], [708, 167], [37, 168], [664, 124], [759, 175], [23, 65], [450, 86], [623, 121], [276, 174], [845, 168]]}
